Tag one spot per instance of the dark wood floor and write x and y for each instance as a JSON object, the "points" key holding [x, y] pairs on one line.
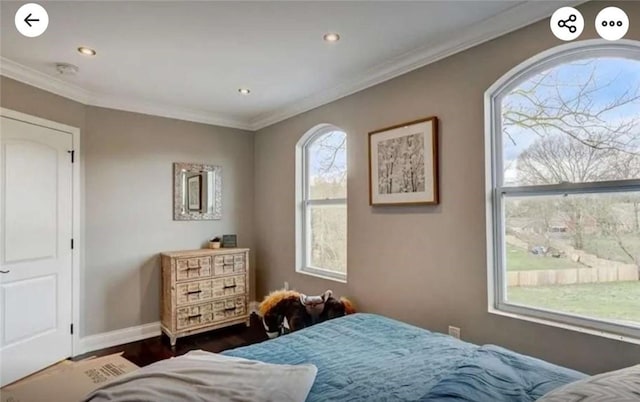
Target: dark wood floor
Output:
{"points": [[158, 348]]}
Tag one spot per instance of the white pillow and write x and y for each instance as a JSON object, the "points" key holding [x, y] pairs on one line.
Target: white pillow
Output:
{"points": [[615, 386]]}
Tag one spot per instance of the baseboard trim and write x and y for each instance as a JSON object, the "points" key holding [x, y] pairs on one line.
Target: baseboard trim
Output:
{"points": [[118, 337], [132, 334]]}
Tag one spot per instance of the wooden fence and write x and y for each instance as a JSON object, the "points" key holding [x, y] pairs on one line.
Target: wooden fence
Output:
{"points": [[619, 272], [595, 269]]}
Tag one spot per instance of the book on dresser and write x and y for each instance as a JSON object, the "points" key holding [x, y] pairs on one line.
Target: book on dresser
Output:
{"points": [[204, 290]]}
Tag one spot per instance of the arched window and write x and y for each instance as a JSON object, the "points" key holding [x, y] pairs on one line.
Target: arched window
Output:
{"points": [[321, 203], [563, 188]]}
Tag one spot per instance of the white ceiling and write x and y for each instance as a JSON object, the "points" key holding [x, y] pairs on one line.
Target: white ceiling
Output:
{"points": [[188, 59]]}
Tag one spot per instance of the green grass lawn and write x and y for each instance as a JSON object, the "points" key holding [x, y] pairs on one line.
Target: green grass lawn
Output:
{"points": [[607, 247], [519, 259], [612, 300]]}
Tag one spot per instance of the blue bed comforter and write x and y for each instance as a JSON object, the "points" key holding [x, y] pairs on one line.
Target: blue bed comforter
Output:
{"points": [[365, 357]]}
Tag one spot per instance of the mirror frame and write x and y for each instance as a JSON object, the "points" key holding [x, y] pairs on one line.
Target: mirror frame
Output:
{"points": [[179, 213]]}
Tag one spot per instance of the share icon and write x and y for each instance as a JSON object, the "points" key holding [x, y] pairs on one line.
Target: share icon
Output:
{"points": [[565, 23]]}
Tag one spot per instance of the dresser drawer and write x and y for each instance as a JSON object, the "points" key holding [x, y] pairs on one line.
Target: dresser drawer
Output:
{"points": [[229, 264], [210, 288], [207, 313], [229, 286], [229, 259], [193, 268], [193, 292], [194, 316], [229, 308]]}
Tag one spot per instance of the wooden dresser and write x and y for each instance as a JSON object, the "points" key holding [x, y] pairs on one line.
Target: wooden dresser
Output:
{"points": [[204, 290]]}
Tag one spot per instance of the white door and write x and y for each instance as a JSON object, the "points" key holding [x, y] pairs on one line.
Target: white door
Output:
{"points": [[35, 248]]}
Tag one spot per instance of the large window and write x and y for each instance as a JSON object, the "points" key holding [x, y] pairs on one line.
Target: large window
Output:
{"points": [[564, 188], [321, 198]]}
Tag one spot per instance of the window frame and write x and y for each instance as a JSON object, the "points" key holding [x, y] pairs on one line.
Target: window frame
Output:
{"points": [[304, 203], [496, 192]]}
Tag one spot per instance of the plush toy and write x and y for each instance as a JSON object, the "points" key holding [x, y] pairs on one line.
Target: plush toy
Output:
{"points": [[314, 305], [282, 310], [334, 308], [286, 311]]}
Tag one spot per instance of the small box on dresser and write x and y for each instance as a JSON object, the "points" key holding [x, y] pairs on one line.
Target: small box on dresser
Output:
{"points": [[204, 290]]}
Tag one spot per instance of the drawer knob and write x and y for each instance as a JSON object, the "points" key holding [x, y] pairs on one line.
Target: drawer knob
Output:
{"points": [[194, 292], [229, 309], [229, 287], [191, 317]]}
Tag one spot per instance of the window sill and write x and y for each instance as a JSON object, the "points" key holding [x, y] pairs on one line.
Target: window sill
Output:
{"points": [[317, 273], [570, 327]]}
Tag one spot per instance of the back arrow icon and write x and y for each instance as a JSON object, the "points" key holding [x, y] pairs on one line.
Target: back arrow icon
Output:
{"points": [[29, 20]]}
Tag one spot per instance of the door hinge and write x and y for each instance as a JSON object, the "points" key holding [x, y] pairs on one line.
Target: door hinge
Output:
{"points": [[71, 329], [71, 244], [73, 155]]}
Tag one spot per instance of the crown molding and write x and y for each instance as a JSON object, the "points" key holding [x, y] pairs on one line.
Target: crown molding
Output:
{"points": [[50, 83], [169, 111], [515, 17]]}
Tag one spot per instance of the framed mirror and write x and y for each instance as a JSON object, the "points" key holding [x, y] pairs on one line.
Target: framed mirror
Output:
{"points": [[197, 192]]}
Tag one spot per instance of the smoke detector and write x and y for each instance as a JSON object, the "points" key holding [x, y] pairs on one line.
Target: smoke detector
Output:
{"points": [[67, 69]]}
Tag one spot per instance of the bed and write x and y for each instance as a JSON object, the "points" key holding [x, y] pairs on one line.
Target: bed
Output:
{"points": [[360, 357], [366, 357]]}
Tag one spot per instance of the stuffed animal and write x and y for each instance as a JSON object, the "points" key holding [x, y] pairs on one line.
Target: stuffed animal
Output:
{"points": [[315, 304], [286, 311], [282, 310], [334, 308]]}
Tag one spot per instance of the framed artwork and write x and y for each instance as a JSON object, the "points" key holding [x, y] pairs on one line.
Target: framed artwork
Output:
{"points": [[403, 164], [194, 189], [229, 241]]}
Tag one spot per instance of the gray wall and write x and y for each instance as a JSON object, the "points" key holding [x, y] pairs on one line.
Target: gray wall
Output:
{"points": [[128, 212], [424, 265], [129, 206]]}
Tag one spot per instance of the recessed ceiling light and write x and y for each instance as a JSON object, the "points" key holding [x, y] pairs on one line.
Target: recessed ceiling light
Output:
{"points": [[244, 91], [86, 51], [331, 37]]}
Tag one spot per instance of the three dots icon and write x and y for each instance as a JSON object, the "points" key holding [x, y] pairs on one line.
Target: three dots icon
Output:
{"points": [[611, 23]]}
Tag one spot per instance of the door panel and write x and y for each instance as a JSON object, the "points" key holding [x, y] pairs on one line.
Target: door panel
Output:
{"points": [[31, 205], [35, 249], [37, 312]]}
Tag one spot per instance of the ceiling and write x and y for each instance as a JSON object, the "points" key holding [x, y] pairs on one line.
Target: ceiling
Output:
{"points": [[188, 59]]}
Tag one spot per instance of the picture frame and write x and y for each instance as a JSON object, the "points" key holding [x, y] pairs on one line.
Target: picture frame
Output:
{"points": [[194, 193], [229, 241], [403, 164]]}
